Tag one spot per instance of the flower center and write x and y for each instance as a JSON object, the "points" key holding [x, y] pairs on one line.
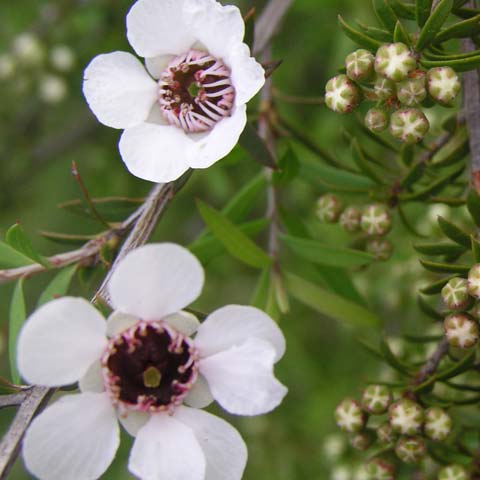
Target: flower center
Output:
{"points": [[195, 91], [149, 367]]}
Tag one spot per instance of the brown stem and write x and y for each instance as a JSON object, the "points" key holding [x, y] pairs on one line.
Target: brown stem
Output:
{"points": [[432, 363]]}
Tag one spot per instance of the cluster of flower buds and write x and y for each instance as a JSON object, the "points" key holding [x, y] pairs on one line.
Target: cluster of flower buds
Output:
{"points": [[374, 221], [398, 87]]}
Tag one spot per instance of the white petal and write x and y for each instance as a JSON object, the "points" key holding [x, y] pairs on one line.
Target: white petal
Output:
{"points": [[158, 153], [157, 28], [217, 27], [223, 447], [74, 439], [60, 341], [199, 395], [117, 322], [132, 421], [156, 65], [184, 322], [232, 325], [156, 280], [92, 381], [241, 379], [219, 142], [119, 90], [165, 449]]}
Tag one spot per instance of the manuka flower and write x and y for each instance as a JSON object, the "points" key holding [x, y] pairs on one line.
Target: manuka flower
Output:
{"points": [[187, 107], [142, 367]]}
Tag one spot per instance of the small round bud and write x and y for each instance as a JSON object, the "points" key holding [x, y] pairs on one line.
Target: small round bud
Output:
{"points": [[341, 94], [380, 469], [328, 208], [385, 433], [376, 220], [394, 61], [412, 91], [475, 311], [474, 281], [376, 399], [52, 89], [410, 449], [62, 58], [453, 472], [438, 424], [409, 125], [405, 417], [380, 248], [350, 219], [359, 65], [27, 49], [443, 85], [384, 88], [455, 294], [362, 441], [349, 416], [461, 330], [376, 120]]}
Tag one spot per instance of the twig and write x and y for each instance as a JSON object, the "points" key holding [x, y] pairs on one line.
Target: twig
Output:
{"points": [[432, 363]]}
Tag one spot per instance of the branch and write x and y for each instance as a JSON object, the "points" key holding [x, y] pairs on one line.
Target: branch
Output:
{"points": [[432, 363]]}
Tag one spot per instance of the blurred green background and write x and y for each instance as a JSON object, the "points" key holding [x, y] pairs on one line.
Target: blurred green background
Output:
{"points": [[45, 124]]}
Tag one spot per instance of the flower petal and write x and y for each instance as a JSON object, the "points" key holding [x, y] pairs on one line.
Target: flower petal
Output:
{"points": [[219, 142], [92, 381], [184, 322], [117, 322], [223, 447], [199, 395], [157, 28], [166, 449], [156, 280], [156, 65], [158, 153], [133, 421], [74, 439], [119, 90], [241, 379], [60, 341], [232, 325], [217, 27]]}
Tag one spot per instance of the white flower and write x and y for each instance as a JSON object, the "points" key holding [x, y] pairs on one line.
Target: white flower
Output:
{"points": [[186, 109], [141, 367]]}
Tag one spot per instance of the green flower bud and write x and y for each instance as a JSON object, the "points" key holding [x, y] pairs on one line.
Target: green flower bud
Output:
{"points": [[410, 449], [362, 441], [455, 294], [376, 220], [380, 469], [349, 416], [461, 330], [412, 91], [376, 399], [341, 94], [328, 208], [385, 433], [405, 417], [350, 219], [453, 472], [438, 424], [376, 120], [443, 85], [409, 125], [394, 61], [381, 248], [359, 65], [384, 88], [474, 281]]}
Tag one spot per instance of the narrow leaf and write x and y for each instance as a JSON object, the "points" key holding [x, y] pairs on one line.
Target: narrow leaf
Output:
{"points": [[428, 310], [11, 258], [18, 239], [435, 288], [473, 205], [363, 164], [475, 248], [459, 367], [376, 33], [434, 248], [423, 8], [112, 209], [453, 232], [260, 295], [401, 35], [255, 147], [359, 38], [385, 14], [17, 316], [467, 28], [444, 267], [59, 285], [414, 174], [402, 10], [459, 65], [433, 24], [392, 360]]}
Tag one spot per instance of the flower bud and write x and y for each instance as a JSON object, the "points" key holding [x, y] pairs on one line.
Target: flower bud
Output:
{"points": [[461, 330], [410, 449], [453, 472], [328, 208], [376, 120], [384, 88], [385, 433], [475, 311], [350, 219], [394, 61], [349, 416], [381, 248], [380, 469], [443, 85], [341, 94], [405, 417], [438, 424], [409, 125], [359, 65], [455, 294], [27, 49], [376, 220], [362, 441], [376, 399], [412, 91], [474, 281]]}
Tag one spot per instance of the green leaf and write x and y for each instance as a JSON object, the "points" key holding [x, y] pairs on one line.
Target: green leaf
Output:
{"points": [[454, 232], [444, 267], [414, 174], [464, 364], [330, 304], [359, 38], [288, 168], [18, 239], [255, 147], [475, 248], [433, 24], [376, 33], [459, 65], [66, 238], [17, 316], [260, 295], [322, 254], [59, 285], [363, 164], [392, 360], [11, 258], [435, 288], [233, 239], [467, 28], [437, 248], [407, 224], [385, 14], [423, 8], [428, 310], [473, 205], [454, 151], [112, 209], [402, 10], [401, 35]]}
